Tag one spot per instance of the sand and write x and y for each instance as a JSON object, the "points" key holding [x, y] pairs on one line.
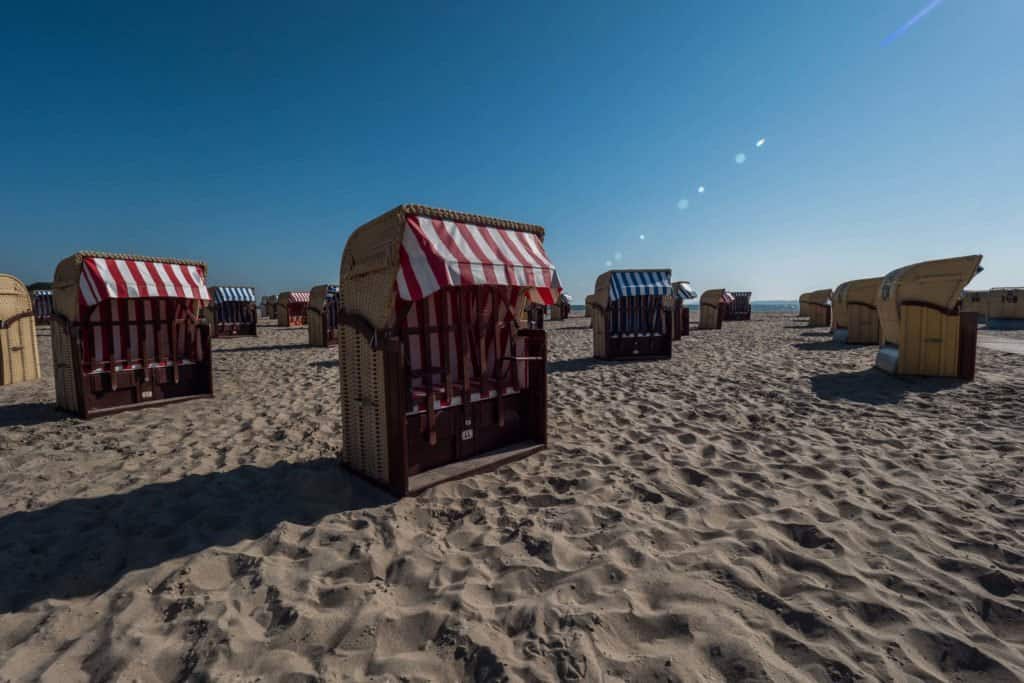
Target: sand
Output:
{"points": [[764, 506]]}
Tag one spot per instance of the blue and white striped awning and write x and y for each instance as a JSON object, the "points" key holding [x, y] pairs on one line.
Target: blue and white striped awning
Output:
{"points": [[225, 294], [42, 293], [640, 282], [332, 291], [683, 290]]}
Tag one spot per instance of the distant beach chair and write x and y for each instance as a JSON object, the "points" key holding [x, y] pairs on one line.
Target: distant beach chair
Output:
{"points": [[127, 332], [42, 304], [532, 315], [818, 306], [632, 314], [681, 293], [267, 306], [560, 310], [19, 352], [1005, 309], [739, 307], [291, 309], [588, 307], [323, 315], [805, 307], [231, 312], [855, 312], [924, 332], [439, 376], [713, 304], [975, 301]]}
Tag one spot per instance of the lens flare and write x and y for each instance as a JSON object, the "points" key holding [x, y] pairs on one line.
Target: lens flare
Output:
{"points": [[618, 256], [913, 20], [760, 143], [642, 236], [700, 189], [740, 158], [683, 204]]}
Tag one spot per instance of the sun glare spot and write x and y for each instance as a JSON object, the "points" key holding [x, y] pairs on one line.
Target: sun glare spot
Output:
{"points": [[700, 189], [683, 204], [760, 143], [740, 158]]}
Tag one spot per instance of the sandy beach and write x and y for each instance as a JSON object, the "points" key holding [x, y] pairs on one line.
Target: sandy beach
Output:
{"points": [[763, 507]]}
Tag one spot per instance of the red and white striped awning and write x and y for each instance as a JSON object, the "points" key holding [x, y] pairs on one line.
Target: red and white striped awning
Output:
{"points": [[119, 278], [437, 253], [298, 297]]}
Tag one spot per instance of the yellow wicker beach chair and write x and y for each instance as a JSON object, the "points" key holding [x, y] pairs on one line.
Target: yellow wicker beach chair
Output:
{"points": [[323, 315], [819, 307], [713, 304], [1005, 308], [440, 377], [923, 330], [854, 312], [19, 352]]}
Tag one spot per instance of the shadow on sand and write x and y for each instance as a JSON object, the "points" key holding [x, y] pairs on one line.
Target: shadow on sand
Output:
{"points": [[875, 387], [84, 546], [822, 346], [31, 414], [573, 365]]}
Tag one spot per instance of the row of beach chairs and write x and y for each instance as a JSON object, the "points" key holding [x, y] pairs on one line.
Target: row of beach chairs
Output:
{"points": [[440, 372]]}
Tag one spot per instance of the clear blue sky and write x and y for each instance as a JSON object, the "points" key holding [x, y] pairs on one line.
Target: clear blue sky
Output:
{"points": [[257, 136]]}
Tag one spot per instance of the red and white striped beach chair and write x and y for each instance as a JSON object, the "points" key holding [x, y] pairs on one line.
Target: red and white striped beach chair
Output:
{"points": [[126, 332], [291, 309], [440, 376]]}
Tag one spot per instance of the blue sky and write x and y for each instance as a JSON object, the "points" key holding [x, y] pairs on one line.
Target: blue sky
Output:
{"points": [[257, 136]]}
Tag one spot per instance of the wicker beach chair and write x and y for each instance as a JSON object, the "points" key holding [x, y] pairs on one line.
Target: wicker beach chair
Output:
{"points": [[1005, 308], [560, 309], [682, 292], [805, 307], [267, 304], [975, 301], [323, 315], [924, 331], [818, 306], [739, 307], [291, 309], [19, 351], [231, 312], [127, 332], [440, 377], [855, 313], [588, 306], [42, 304], [632, 314], [713, 304]]}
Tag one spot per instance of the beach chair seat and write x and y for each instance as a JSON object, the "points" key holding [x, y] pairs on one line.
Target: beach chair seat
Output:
{"points": [[442, 375], [232, 311], [738, 308], [632, 314]]}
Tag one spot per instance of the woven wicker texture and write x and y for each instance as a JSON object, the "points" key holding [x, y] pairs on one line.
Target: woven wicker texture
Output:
{"points": [[710, 300], [863, 291], [937, 283], [19, 352], [314, 315]]}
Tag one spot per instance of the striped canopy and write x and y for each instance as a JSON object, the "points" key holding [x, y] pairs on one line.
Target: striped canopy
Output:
{"points": [[37, 293], [683, 290], [298, 297], [222, 295], [105, 278], [640, 282], [437, 254]]}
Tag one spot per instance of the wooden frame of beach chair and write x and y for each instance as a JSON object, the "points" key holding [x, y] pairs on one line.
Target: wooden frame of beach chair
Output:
{"points": [[587, 306], [855, 312], [631, 314], [291, 309], [975, 301], [532, 315], [681, 292], [19, 350], [323, 315], [440, 377], [231, 312], [713, 303], [924, 332], [1005, 308], [739, 307], [819, 307], [127, 332]]}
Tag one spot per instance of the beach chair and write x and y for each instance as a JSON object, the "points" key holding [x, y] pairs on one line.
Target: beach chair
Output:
{"points": [[42, 304], [739, 307], [713, 304], [291, 309], [819, 307], [440, 376], [532, 315], [682, 291], [632, 314], [924, 332], [127, 332], [1005, 308], [267, 306], [855, 313], [975, 301], [560, 309], [19, 351], [588, 304], [323, 315], [805, 308], [231, 311]]}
